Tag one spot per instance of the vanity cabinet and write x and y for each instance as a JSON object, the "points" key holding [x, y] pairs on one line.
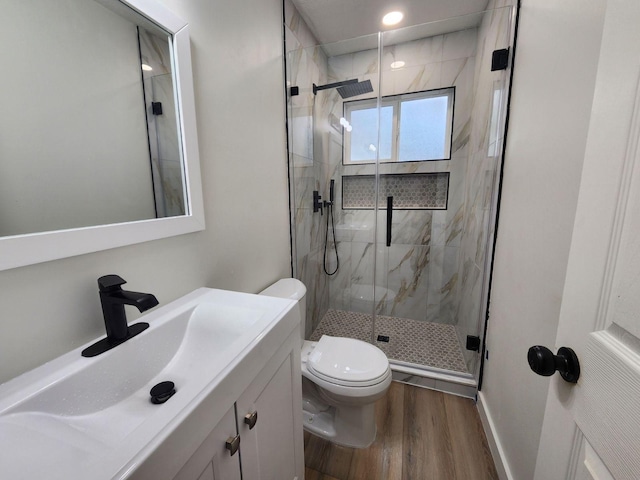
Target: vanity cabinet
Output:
{"points": [[268, 448], [212, 460], [264, 418]]}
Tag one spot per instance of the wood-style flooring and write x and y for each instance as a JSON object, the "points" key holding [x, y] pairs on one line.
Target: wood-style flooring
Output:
{"points": [[422, 435]]}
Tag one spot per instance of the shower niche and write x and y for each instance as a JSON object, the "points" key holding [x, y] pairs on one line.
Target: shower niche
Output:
{"points": [[413, 144]]}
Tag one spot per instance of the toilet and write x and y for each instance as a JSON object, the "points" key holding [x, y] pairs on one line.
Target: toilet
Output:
{"points": [[341, 379]]}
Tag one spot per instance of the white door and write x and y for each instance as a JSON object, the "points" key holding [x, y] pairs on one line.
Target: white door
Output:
{"points": [[591, 430]]}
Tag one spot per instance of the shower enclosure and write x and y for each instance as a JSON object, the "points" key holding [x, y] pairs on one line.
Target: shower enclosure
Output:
{"points": [[394, 187]]}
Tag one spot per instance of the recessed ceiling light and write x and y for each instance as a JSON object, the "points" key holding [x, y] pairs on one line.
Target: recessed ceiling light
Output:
{"points": [[392, 18], [146, 67], [398, 64]]}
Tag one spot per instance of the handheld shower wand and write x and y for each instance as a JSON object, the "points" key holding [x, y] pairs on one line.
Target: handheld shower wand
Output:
{"points": [[329, 208]]}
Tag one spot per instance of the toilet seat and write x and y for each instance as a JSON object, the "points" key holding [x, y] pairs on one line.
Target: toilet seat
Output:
{"points": [[347, 362]]}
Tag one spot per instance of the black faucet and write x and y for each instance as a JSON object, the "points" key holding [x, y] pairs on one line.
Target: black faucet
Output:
{"points": [[113, 300]]}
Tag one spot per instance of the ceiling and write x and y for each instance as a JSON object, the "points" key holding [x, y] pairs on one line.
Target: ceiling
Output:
{"points": [[337, 20]]}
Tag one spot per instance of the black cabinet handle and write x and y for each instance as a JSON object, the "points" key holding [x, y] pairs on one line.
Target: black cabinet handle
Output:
{"points": [[543, 362], [389, 219]]}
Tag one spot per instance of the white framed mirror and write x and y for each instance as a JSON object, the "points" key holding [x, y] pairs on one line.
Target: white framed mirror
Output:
{"points": [[98, 142]]}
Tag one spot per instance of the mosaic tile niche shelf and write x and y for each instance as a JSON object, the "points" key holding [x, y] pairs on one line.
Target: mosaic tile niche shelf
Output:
{"points": [[412, 191], [412, 341]]}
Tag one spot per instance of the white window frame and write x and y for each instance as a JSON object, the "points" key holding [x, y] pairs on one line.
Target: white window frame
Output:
{"points": [[396, 101]]}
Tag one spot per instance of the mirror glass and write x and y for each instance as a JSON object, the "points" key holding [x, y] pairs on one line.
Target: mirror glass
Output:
{"points": [[90, 125]]}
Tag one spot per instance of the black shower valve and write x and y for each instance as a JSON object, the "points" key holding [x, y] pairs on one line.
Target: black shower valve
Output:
{"points": [[317, 202]]}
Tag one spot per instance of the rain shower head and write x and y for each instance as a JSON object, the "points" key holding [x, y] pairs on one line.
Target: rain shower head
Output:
{"points": [[347, 88], [353, 89]]}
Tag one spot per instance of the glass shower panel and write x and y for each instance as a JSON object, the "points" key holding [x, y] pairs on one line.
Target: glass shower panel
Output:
{"points": [[488, 120], [440, 223], [333, 245], [303, 69], [353, 150]]}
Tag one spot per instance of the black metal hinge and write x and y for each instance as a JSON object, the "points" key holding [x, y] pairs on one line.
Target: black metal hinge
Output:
{"points": [[473, 343], [500, 59], [156, 108]]}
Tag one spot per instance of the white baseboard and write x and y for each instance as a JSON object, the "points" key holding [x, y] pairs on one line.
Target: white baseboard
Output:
{"points": [[497, 452]]}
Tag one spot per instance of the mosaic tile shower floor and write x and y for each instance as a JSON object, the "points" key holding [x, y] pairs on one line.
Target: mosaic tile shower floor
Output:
{"points": [[412, 341]]}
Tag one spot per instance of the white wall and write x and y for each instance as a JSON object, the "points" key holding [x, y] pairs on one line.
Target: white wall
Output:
{"points": [[51, 308], [555, 67]]}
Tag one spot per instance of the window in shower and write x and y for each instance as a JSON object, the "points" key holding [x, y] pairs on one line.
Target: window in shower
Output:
{"points": [[414, 127]]}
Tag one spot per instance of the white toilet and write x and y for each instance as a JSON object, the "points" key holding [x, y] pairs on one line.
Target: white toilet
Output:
{"points": [[341, 380]]}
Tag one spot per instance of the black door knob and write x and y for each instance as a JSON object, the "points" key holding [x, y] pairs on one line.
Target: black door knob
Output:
{"points": [[544, 362]]}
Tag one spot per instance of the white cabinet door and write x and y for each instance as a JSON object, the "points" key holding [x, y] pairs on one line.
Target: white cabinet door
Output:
{"points": [[592, 429], [212, 460], [272, 448]]}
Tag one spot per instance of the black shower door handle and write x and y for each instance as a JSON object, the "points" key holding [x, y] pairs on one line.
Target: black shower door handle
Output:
{"points": [[389, 219]]}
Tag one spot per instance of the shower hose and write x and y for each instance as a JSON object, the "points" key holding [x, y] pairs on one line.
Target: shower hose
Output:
{"points": [[329, 205]]}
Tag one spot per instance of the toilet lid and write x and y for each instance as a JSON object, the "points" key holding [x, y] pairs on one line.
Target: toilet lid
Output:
{"points": [[347, 361]]}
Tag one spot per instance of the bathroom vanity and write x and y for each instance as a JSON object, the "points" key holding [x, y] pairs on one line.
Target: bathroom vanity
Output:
{"points": [[267, 451], [234, 360]]}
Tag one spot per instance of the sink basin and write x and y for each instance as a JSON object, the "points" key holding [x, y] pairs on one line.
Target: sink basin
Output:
{"points": [[78, 417]]}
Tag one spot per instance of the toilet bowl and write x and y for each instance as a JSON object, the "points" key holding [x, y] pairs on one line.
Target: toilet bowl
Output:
{"points": [[341, 380]]}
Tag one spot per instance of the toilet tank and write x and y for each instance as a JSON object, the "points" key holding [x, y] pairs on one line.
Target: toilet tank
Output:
{"points": [[293, 289]]}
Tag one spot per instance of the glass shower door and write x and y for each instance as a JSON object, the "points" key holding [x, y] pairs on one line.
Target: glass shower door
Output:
{"points": [[437, 188]]}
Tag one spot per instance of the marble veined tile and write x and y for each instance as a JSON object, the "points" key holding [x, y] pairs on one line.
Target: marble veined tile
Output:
{"points": [[408, 227], [408, 278], [459, 44], [415, 78], [340, 68], [362, 263], [340, 281], [299, 29], [365, 63], [417, 52], [443, 283], [301, 138], [292, 42]]}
